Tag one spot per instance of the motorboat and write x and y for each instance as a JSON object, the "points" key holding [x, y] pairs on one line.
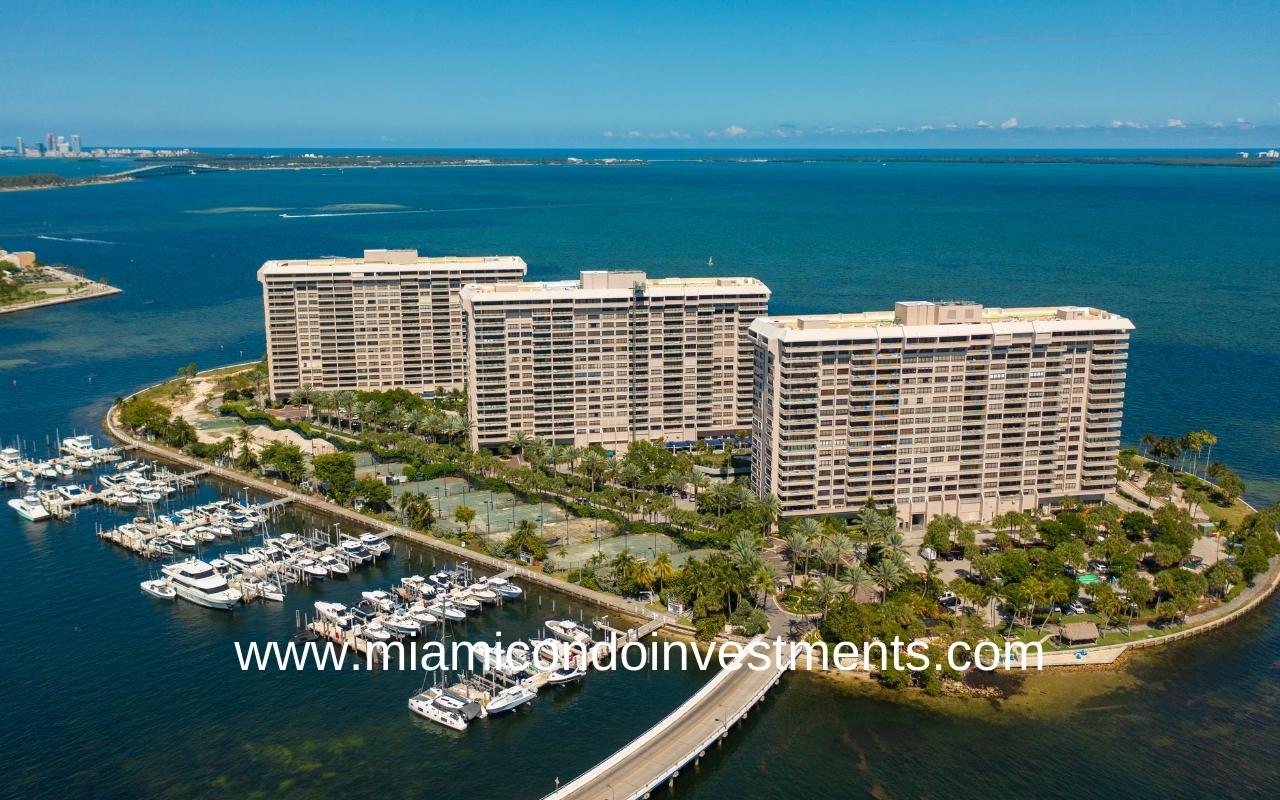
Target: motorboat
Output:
{"points": [[150, 496], [374, 544], [352, 549], [462, 600], [203, 533], [334, 565], [181, 539], [159, 588], [509, 699], [75, 495], [10, 459], [7, 480], [241, 523], [494, 658], [159, 547], [126, 466], [333, 612], [447, 610], [65, 470], [47, 471], [402, 623], [417, 585], [25, 475], [243, 561], [127, 499], [265, 590], [29, 508], [481, 591], [381, 599], [419, 612], [504, 587], [222, 567], [439, 706], [566, 630], [196, 581], [442, 579], [374, 631], [566, 675], [312, 569]]}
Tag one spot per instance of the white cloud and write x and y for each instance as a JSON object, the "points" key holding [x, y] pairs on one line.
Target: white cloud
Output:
{"points": [[924, 128], [634, 134], [982, 123], [1117, 123], [875, 130], [607, 134], [734, 131], [951, 126], [1175, 123], [1215, 125], [1011, 122], [675, 134]]}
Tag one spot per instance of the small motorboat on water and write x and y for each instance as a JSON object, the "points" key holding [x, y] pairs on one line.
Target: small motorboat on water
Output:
{"points": [[159, 547], [463, 600], [419, 612], [29, 508], [565, 676], [127, 499], [159, 588], [312, 569], [374, 631], [481, 591], [509, 699], [402, 623], [334, 565], [333, 612], [243, 561], [374, 544], [203, 533], [65, 470], [352, 549], [566, 630], [447, 610], [181, 539], [381, 599], [504, 587]]}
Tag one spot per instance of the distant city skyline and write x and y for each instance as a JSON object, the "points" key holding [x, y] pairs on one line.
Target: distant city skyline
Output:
{"points": [[565, 74]]}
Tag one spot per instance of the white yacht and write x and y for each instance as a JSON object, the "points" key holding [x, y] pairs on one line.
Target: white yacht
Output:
{"points": [[159, 588], [374, 544], [483, 593], [509, 699], [29, 508], [334, 565], [333, 612], [198, 582], [79, 446], [380, 598], [566, 630], [504, 587], [402, 623], [243, 561], [74, 495]]}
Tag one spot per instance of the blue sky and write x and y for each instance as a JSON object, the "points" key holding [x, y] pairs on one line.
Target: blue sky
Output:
{"points": [[694, 74]]}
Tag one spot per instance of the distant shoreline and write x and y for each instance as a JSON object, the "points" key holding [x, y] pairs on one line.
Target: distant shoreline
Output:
{"points": [[89, 291], [232, 163]]}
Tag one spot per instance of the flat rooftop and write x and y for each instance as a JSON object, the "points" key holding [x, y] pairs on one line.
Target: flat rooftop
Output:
{"points": [[387, 259], [941, 319], [617, 283]]}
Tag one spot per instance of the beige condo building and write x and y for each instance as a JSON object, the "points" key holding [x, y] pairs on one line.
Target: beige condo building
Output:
{"points": [[389, 319], [611, 358], [938, 408]]}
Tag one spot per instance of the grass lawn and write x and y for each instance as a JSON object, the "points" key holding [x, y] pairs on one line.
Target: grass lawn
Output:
{"points": [[1233, 515]]}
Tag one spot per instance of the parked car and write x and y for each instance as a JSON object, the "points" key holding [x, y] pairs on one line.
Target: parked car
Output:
{"points": [[1077, 608], [1098, 567]]}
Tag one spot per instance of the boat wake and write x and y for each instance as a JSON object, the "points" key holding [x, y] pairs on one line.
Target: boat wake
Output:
{"points": [[443, 210], [76, 239]]}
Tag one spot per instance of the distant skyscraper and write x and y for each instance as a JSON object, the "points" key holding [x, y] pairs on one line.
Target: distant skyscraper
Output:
{"points": [[49, 143], [21, 150], [75, 144]]}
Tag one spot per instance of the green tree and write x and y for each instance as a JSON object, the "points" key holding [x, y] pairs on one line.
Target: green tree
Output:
{"points": [[374, 493], [525, 537], [337, 471]]}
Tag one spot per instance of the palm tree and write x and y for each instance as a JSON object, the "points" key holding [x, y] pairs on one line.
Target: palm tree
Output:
{"points": [[857, 580], [1148, 442], [699, 481], [770, 508], [888, 576], [1209, 439], [811, 530], [797, 545], [519, 441], [828, 588], [663, 569]]}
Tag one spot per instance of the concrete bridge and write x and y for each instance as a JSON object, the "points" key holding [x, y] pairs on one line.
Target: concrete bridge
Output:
{"points": [[166, 168], [656, 756]]}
